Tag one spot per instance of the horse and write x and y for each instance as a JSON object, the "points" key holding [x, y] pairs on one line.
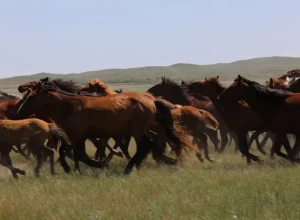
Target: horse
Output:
{"points": [[34, 133], [84, 117], [99, 88], [278, 109], [71, 87], [196, 121], [240, 117], [178, 94]]}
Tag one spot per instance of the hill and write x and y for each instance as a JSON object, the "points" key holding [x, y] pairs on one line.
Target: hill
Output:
{"points": [[257, 68]]}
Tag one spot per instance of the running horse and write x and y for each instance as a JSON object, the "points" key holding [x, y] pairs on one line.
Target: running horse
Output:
{"points": [[177, 94], [240, 117], [278, 109], [83, 117], [196, 121]]}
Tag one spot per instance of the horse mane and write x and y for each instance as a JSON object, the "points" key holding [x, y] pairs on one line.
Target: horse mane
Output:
{"points": [[6, 96], [101, 85], [68, 86], [50, 86], [267, 93], [183, 88]]}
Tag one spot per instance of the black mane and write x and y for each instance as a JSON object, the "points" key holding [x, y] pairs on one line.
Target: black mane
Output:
{"points": [[64, 87], [6, 96], [267, 93], [68, 86]]}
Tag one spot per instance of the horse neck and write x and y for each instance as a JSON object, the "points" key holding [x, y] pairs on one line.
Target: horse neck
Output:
{"points": [[61, 105], [261, 106]]}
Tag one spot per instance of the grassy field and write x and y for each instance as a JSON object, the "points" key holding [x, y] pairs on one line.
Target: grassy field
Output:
{"points": [[227, 189]]}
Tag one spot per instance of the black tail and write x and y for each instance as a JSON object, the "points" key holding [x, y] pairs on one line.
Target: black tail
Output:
{"points": [[164, 118]]}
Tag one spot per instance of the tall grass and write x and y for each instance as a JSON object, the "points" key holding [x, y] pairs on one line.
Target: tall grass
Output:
{"points": [[228, 189]]}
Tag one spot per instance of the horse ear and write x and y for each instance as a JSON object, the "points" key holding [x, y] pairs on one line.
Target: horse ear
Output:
{"points": [[206, 79], [271, 83], [239, 79], [218, 76]]}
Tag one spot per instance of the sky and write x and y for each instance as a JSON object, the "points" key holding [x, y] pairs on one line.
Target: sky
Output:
{"points": [[72, 36]]}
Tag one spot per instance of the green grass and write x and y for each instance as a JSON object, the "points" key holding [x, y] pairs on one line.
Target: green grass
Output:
{"points": [[228, 189]]}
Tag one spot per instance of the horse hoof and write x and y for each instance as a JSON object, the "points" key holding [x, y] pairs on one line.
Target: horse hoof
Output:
{"points": [[22, 172], [54, 173], [212, 161], [118, 153]]}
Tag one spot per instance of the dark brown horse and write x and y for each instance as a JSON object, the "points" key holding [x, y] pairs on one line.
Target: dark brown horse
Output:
{"points": [[277, 109], [240, 117], [178, 94], [85, 117]]}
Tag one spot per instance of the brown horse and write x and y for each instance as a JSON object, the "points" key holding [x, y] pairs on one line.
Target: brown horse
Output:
{"points": [[99, 88], [34, 133], [71, 87], [85, 117], [278, 109], [178, 94], [240, 117], [196, 121]]}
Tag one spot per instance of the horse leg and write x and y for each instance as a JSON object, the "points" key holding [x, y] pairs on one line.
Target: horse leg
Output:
{"points": [[294, 152], [50, 153], [62, 157], [39, 163], [5, 160], [80, 155], [265, 139], [279, 139], [124, 145], [213, 136], [21, 151], [202, 143], [100, 152], [255, 137], [224, 140], [143, 149], [244, 149]]}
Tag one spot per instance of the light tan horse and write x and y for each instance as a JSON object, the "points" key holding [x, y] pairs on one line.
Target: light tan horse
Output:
{"points": [[34, 132]]}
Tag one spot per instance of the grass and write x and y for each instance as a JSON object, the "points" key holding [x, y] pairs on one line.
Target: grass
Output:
{"points": [[227, 189]]}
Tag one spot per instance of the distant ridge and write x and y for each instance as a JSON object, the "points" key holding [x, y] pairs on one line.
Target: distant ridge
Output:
{"points": [[255, 68]]}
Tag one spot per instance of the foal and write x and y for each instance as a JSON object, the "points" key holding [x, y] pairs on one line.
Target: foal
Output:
{"points": [[34, 132]]}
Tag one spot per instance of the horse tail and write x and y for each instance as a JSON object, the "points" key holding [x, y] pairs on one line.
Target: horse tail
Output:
{"points": [[164, 118], [209, 120], [59, 134]]}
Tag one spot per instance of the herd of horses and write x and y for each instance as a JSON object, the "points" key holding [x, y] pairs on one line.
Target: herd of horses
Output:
{"points": [[65, 114]]}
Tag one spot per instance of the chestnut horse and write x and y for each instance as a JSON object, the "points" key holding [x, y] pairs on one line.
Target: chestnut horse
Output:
{"points": [[99, 88], [85, 117], [178, 94], [34, 133], [277, 109], [240, 117], [196, 121]]}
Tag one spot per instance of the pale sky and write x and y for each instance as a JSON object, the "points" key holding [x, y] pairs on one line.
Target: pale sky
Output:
{"points": [[72, 36]]}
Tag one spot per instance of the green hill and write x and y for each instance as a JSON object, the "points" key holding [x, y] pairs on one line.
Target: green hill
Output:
{"points": [[257, 69]]}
